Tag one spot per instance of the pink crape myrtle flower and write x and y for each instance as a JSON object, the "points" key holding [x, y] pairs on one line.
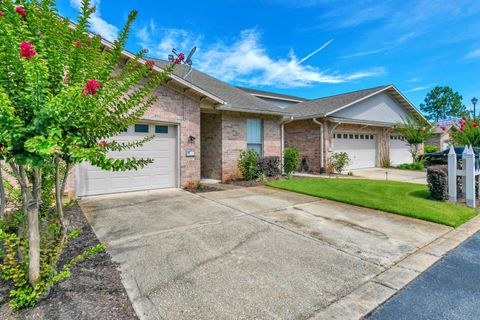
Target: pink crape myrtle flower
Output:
{"points": [[91, 87], [27, 50], [1, 13], [77, 44], [103, 143], [21, 11], [150, 64]]}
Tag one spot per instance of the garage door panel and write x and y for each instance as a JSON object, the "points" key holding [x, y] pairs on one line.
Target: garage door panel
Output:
{"points": [[399, 151], [159, 174], [361, 149]]}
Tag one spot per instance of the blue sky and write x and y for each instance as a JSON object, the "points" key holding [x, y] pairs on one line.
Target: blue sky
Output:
{"points": [[311, 48]]}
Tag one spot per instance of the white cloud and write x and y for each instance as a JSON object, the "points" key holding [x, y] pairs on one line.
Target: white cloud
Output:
{"points": [[98, 25], [245, 61], [170, 38], [474, 54], [391, 45], [420, 88]]}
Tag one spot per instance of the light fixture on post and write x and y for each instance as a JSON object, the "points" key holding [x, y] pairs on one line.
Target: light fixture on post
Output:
{"points": [[474, 102]]}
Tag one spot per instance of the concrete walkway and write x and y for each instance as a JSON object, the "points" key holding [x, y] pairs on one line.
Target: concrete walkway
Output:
{"points": [[261, 253], [449, 290], [412, 176]]}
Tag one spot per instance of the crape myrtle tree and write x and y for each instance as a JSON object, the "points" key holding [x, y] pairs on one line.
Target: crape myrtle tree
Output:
{"points": [[468, 133], [414, 132], [63, 94]]}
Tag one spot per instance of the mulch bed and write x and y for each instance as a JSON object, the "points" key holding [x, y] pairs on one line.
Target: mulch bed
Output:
{"points": [[256, 183], [251, 183], [202, 189], [94, 290]]}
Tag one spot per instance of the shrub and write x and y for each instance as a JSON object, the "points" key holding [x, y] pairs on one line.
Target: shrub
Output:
{"points": [[339, 161], [248, 164], [430, 149], [291, 158], [269, 166], [437, 178], [386, 163], [411, 166]]}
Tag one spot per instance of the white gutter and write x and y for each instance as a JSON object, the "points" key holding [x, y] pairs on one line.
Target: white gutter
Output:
{"points": [[322, 151], [282, 140]]}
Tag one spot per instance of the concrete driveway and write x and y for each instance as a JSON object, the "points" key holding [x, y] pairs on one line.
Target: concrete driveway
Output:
{"points": [[412, 176], [252, 253]]}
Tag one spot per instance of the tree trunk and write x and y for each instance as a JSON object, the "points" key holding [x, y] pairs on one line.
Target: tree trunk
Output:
{"points": [[33, 228], [65, 177], [59, 194], [3, 200]]}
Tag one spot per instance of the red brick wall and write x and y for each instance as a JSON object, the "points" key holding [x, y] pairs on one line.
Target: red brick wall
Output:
{"points": [[211, 145], [234, 139], [305, 136], [173, 107]]}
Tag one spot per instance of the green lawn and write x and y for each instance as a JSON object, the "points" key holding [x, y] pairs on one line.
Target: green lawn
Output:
{"points": [[403, 198]]}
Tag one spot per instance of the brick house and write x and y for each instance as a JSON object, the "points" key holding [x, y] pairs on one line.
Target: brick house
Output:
{"points": [[201, 124], [359, 123]]}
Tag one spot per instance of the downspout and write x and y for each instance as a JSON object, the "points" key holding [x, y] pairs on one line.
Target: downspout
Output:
{"points": [[282, 142], [322, 151]]}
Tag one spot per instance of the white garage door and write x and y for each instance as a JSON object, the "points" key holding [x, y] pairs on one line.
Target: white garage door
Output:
{"points": [[360, 147], [162, 173], [399, 151]]}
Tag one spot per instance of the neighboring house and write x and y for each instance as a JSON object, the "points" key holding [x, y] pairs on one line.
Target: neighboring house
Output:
{"points": [[201, 125], [359, 123], [441, 136]]}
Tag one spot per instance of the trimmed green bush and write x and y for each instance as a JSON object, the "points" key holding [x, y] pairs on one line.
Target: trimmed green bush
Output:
{"points": [[430, 149], [248, 164], [339, 161], [437, 178], [411, 166], [291, 160], [269, 166]]}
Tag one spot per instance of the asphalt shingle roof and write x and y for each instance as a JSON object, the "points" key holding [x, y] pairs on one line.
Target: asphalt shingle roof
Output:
{"points": [[320, 107], [272, 94], [237, 99]]}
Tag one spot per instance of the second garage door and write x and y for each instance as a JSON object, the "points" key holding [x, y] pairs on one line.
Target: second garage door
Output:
{"points": [[361, 148], [399, 151], [162, 173]]}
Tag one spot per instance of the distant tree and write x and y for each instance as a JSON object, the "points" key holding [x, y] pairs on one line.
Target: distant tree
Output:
{"points": [[442, 103]]}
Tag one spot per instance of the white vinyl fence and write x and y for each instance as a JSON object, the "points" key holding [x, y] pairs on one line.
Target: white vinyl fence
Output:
{"points": [[468, 169]]}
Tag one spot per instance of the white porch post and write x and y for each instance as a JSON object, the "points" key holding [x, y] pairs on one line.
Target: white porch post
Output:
{"points": [[469, 159], [452, 175]]}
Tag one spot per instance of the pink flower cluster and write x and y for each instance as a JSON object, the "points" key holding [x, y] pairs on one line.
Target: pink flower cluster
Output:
{"points": [[91, 87], [21, 11], [77, 44], [103, 143], [27, 50], [1, 13], [150, 64], [464, 122], [180, 58]]}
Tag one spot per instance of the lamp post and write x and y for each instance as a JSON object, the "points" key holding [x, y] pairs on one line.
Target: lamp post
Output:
{"points": [[474, 102]]}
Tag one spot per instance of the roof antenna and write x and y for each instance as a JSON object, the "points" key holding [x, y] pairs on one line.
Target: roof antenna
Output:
{"points": [[179, 58]]}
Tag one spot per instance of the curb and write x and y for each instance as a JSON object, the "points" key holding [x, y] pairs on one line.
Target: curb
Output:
{"points": [[373, 293]]}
